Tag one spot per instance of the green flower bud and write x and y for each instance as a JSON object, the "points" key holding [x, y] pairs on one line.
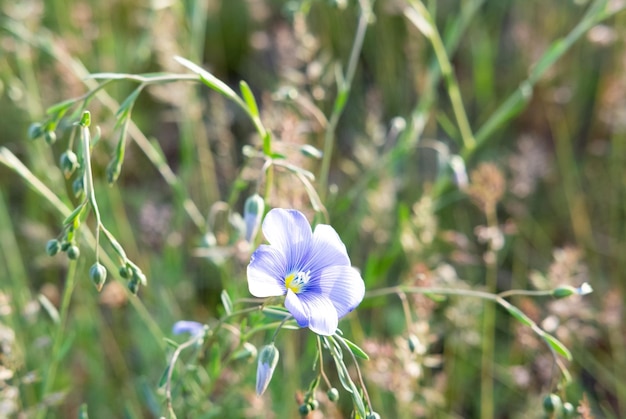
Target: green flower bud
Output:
{"points": [[310, 151], [333, 394], [124, 272], [133, 285], [65, 246], [35, 130], [267, 361], [78, 187], [563, 291], [50, 137], [415, 346], [304, 409], [314, 404], [373, 415], [552, 403], [98, 274], [73, 252], [52, 247], [569, 411], [68, 163]]}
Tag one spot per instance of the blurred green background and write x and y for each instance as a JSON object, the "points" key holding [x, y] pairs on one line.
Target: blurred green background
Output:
{"points": [[543, 89]]}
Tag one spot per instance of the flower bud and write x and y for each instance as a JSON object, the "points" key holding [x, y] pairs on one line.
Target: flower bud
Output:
{"points": [[252, 214], [73, 252], [68, 163], [35, 130], [563, 291], [52, 247], [124, 272], [415, 346], [310, 151], [268, 359], [373, 415], [133, 285], [78, 187], [313, 404], [333, 394], [569, 411], [304, 409], [50, 137], [552, 403], [98, 274]]}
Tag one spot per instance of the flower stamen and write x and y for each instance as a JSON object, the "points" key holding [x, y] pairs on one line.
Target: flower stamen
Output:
{"points": [[295, 281]]}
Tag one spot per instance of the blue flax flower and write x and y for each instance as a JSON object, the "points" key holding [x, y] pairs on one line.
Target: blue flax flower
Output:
{"points": [[311, 268]]}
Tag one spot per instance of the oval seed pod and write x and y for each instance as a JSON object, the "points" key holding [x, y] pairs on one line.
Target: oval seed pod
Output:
{"points": [[98, 275]]}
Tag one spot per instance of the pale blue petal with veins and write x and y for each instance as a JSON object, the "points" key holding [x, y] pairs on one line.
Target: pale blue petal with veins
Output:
{"points": [[311, 268]]}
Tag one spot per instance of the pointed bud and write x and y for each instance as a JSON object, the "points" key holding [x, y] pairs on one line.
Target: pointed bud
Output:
{"points": [[124, 272], [52, 247], [68, 163], [98, 274], [253, 211], [268, 359], [373, 415]]}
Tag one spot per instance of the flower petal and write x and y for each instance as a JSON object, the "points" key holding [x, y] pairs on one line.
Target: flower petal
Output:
{"points": [[314, 311], [327, 250], [186, 326], [266, 272], [344, 287], [289, 231]]}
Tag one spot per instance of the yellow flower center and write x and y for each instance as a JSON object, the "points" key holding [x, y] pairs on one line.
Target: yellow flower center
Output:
{"points": [[295, 281]]}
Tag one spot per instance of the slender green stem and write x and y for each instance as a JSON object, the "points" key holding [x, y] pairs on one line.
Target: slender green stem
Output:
{"points": [[416, 16], [55, 358], [345, 84]]}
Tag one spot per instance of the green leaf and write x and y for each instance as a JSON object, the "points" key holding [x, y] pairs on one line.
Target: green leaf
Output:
{"points": [[557, 345], [124, 110], [209, 79], [60, 108], [518, 315], [248, 97], [355, 349], [163, 379], [226, 302], [276, 312], [49, 307]]}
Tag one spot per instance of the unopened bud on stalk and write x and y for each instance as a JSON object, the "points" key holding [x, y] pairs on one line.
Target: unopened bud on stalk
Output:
{"points": [[52, 247], [68, 163], [312, 152], [35, 130], [552, 403], [73, 252], [253, 214], [78, 186], [268, 359], [98, 274], [50, 137], [333, 394]]}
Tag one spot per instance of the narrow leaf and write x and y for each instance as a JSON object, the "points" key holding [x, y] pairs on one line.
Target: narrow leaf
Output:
{"points": [[208, 78], [355, 349], [248, 97], [226, 302], [557, 345]]}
